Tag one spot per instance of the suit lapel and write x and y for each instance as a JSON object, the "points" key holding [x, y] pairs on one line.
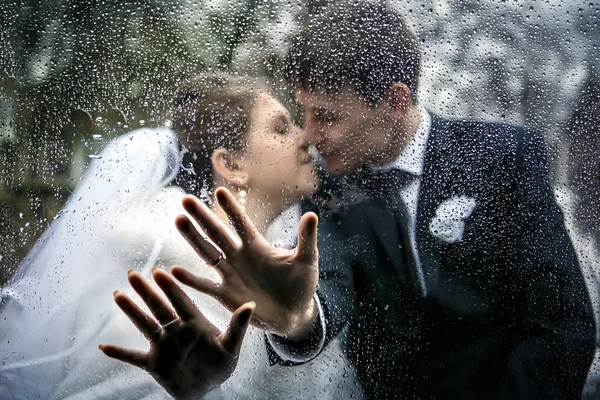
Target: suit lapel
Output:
{"points": [[435, 186], [386, 224]]}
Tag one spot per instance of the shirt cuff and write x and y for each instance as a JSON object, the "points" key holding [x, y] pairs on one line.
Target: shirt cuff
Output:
{"points": [[307, 349]]}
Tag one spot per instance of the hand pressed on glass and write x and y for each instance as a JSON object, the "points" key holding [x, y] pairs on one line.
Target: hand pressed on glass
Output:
{"points": [[188, 355], [281, 282]]}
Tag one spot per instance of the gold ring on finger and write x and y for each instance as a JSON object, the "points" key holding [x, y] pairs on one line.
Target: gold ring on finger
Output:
{"points": [[216, 263], [171, 323]]}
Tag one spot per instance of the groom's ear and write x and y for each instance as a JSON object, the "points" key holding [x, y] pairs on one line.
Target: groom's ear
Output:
{"points": [[228, 167], [399, 98]]}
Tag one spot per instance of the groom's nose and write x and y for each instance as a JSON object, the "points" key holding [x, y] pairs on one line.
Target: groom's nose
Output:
{"points": [[311, 133]]}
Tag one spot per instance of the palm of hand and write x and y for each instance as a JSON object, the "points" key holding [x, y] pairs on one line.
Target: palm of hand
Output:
{"points": [[281, 282], [188, 355], [281, 285], [188, 364]]}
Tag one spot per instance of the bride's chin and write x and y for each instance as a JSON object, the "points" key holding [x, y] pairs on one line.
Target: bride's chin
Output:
{"points": [[306, 189], [295, 193]]}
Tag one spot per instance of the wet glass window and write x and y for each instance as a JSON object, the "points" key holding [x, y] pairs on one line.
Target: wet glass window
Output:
{"points": [[450, 150]]}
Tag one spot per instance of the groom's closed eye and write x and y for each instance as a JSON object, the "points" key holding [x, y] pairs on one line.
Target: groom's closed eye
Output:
{"points": [[327, 116]]}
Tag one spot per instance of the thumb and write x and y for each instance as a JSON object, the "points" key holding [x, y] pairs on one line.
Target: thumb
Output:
{"points": [[307, 251], [234, 335]]}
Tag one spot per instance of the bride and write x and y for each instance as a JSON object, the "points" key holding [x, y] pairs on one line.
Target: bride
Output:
{"points": [[56, 309]]}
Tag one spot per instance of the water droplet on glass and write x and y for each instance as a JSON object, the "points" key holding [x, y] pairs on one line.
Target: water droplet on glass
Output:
{"points": [[95, 156]]}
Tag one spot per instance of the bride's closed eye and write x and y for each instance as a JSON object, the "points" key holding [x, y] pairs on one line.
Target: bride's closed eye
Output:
{"points": [[281, 125]]}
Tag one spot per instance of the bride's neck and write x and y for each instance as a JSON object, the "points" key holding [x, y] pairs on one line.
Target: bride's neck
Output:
{"points": [[260, 210]]}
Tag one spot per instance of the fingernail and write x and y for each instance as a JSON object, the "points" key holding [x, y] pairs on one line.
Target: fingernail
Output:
{"points": [[183, 226], [129, 272], [154, 268], [253, 304], [115, 293], [101, 347]]}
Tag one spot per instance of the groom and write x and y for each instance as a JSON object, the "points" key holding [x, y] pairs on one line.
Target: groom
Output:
{"points": [[440, 244]]}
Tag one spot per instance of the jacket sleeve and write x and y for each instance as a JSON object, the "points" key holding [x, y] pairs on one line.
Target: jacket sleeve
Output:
{"points": [[555, 341]]}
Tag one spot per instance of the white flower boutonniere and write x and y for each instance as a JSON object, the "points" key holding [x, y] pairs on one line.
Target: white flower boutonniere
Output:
{"points": [[448, 223]]}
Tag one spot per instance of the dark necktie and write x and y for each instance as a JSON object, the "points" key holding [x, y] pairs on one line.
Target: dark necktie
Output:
{"points": [[394, 180], [383, 187], [386, 185]]}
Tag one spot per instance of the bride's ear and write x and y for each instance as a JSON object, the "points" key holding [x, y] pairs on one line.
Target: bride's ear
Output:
{"points": [[228, 167]]}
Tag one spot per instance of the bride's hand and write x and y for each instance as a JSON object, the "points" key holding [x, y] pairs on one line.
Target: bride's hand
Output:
{"points": [[188, 355], [281, 282]]}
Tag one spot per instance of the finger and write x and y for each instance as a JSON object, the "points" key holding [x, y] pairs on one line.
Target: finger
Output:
{"points": [[209, 253], [206, 286], [136, 358], [237, 216], [199, 283], [145, 323], [234, 335], [307, 251], [183, 305], [214, 228], [161, 309]]}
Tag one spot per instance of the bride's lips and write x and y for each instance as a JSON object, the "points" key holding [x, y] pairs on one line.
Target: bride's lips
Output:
{"points": [[308, 156], [306, 159]]}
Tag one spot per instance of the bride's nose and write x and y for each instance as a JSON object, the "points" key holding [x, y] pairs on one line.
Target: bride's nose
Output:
{"points": [[298, 134]]}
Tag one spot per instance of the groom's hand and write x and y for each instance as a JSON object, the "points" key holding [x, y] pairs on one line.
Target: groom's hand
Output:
{"points": [[281, 282]]}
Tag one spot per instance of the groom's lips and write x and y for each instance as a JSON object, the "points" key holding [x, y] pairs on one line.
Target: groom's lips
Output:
{"points": [[326, 154], [325, 150], [309, 155]]}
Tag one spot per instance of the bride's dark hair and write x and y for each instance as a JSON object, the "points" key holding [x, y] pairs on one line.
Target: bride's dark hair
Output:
{"points": [[211, 111]]}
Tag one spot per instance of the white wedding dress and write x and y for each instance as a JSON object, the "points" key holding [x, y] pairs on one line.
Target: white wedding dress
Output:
{"points": [[58, 307]]}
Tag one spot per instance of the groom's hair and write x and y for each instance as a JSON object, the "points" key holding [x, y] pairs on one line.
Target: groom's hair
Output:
{"points": [[360, 45]]}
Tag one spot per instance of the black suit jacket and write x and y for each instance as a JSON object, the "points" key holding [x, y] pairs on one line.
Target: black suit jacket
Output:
{"points": [[506, 312]]}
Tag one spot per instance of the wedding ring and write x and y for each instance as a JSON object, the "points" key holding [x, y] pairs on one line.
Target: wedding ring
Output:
{"points": [[155, 335], [171, 323], [218, 261]]}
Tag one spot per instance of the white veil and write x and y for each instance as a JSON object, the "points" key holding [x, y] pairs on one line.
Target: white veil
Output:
{"points": [[59, 299], [58, 306]]}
